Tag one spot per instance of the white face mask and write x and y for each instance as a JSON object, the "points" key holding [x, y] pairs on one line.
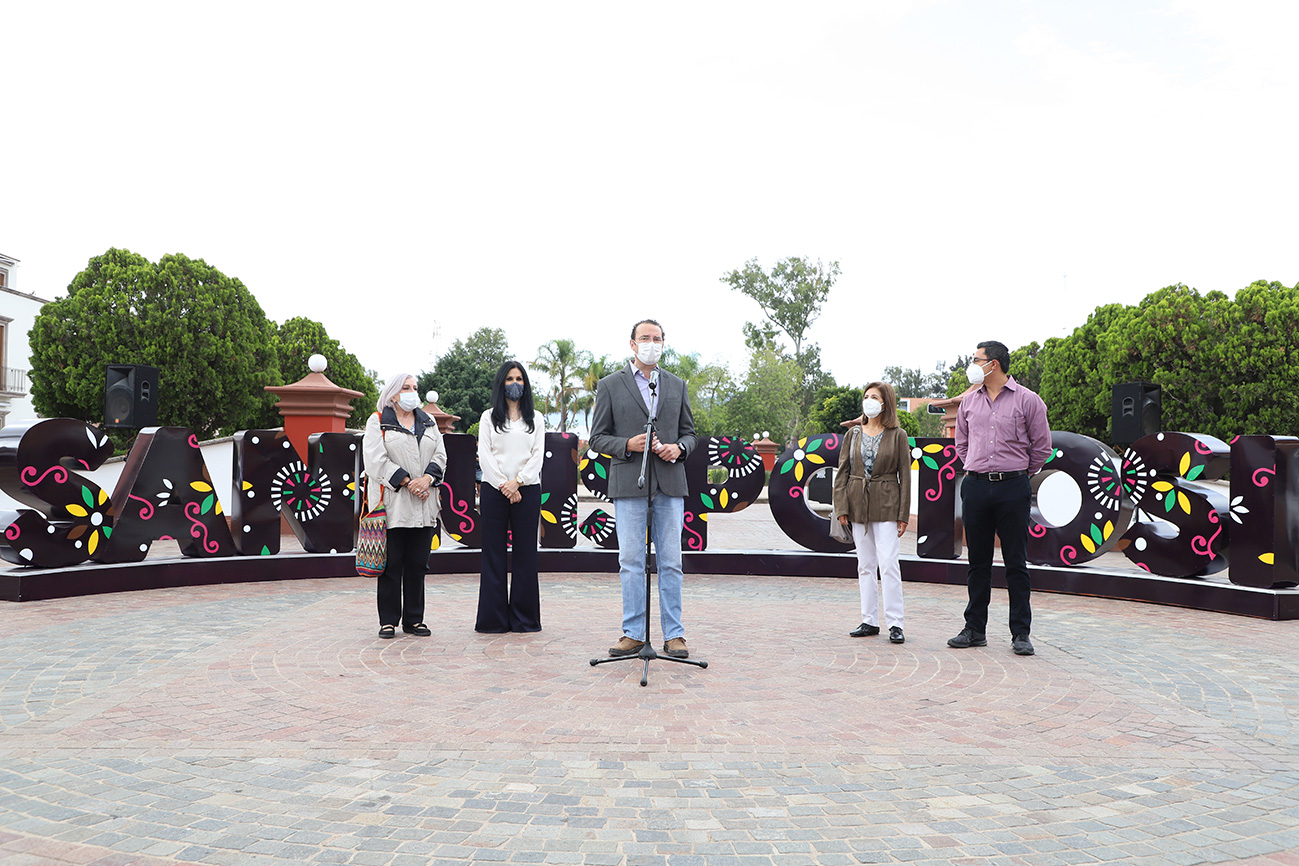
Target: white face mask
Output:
{"points": [[408, 400], [975, 373], [649, 353], [871, 407]]}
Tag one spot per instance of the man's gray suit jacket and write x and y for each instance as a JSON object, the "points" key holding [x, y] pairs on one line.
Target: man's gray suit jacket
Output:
{"points": [[620, 414]]}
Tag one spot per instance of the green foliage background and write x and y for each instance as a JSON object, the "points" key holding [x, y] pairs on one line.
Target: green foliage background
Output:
{"points": [[297, 340], [204, 331], [463, 375]]}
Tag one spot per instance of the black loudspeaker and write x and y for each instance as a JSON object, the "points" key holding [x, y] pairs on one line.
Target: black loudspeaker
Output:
{"points": [[131, 396], [1135, 412]]}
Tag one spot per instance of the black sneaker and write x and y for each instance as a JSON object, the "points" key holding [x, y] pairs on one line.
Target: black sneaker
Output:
{"points": [[1022, 645], [968, 638], [864, 630], [895, 635]]}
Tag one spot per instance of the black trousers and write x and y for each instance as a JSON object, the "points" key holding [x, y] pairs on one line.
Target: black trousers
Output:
{"points": [[401, 586], [1000, 508], [505, 605]]}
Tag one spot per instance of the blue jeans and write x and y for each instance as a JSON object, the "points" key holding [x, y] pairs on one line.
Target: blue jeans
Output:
{"points": [[629, 521]]}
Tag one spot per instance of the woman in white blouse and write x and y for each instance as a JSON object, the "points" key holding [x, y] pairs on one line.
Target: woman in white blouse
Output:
{"points": [[511, 447]]}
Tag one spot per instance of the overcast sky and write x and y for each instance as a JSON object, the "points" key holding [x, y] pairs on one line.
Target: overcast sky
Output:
{"points": [[406, 173]]}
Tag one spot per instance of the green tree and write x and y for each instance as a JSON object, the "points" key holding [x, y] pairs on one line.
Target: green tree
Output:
{"points": [[769, 398], [913, 382], [204, 331], [711, 390], [1077, 376], [790, 296], [463, 375], [297, 340], [1255, 364], [908, 422], [1026, 366], [562, 362], [591, 375], [832, 406]]}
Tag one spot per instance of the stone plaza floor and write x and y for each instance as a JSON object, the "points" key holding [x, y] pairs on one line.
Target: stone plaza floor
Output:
{"points": [[268, 724]]}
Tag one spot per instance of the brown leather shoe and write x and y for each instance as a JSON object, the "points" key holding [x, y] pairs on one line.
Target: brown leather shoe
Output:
{"points": [[626, 647], [677, 648]]}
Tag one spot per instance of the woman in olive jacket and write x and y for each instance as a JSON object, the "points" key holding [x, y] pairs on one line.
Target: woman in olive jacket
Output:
{"points": [[872, 495], [405, 460]]}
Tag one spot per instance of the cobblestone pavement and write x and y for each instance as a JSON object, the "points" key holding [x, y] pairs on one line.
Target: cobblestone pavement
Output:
{"points": [[267, 724]]}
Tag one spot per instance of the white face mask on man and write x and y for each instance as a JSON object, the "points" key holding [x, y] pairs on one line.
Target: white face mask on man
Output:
{"points": [[975, 373], [649, 352]]}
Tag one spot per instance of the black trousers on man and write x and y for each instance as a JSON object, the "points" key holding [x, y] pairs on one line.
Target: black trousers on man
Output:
{"points": [[1000, 508], [401, 586], [505, 605]]}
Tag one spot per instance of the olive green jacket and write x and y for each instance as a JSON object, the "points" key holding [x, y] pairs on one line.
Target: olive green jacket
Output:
{"points": [[886, 495]]}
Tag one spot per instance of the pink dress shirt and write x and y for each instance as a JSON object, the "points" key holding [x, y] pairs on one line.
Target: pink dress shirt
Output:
{"points": [[1008, 434]]}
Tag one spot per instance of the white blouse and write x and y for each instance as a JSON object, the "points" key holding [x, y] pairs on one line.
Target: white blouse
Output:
{"points": [[513, 454]]}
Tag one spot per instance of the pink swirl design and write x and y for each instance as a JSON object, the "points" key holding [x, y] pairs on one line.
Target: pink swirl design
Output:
{"points": [[1202, 448], [466, 522], [12, 532], [1208, 545], [946, 471], [60, 475], [796, 491], [1263, 482], [193, 441], [84, 463], [832, 441], [146, 513], [197, 529], [1037, 530], [695, 540], [1068, 554]]}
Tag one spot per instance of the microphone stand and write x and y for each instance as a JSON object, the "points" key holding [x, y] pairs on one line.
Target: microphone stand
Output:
{"points": [[647, 653]]}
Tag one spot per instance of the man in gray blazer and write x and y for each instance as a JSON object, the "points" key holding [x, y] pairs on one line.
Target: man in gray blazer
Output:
{"points": [[622, 408]]}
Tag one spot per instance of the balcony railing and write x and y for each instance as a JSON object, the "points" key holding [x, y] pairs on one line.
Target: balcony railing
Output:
{"points": [[13, 381]]}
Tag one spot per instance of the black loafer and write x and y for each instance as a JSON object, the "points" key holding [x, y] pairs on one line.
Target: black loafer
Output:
{"points": [[895, 635], [864, 630], [418, 629], [1021, 645]]}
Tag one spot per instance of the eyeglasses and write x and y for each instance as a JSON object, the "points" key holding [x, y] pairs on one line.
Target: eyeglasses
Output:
{"points": [[649, 339]]}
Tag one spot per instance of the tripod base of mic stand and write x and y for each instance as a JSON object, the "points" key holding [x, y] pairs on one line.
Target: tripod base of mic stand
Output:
{"points": [[647, 655]]}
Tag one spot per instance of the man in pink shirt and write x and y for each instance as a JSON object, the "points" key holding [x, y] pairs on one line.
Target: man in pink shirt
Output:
{"points": [[1002, 438]]}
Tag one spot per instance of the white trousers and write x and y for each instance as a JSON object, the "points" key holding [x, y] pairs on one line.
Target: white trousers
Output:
{"points": [[877, 547]]}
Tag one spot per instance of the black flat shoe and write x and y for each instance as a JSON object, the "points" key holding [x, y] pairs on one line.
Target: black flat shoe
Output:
{"points": [[387, 632], [895, 635], [864, 630], [418, 629]]}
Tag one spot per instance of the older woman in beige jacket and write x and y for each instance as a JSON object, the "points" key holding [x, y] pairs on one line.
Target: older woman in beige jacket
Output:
{"points": [[872, 495], [405, 460]]}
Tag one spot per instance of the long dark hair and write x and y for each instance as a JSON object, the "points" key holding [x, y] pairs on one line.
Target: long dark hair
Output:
{"points": [[499, 400]]}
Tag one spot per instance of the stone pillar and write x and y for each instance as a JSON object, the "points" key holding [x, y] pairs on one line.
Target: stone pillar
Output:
{"points": [[313, 405]]}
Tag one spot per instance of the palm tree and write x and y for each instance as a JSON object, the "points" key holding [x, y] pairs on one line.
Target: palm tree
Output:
{"points": [[591, 375], [683, 366], [561, 361]]}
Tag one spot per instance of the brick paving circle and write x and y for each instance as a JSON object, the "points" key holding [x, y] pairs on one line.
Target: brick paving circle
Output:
{"points": [[267, 723]]}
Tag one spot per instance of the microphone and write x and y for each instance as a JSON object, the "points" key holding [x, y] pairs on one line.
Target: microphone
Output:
{"points": [[654, 379]]}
